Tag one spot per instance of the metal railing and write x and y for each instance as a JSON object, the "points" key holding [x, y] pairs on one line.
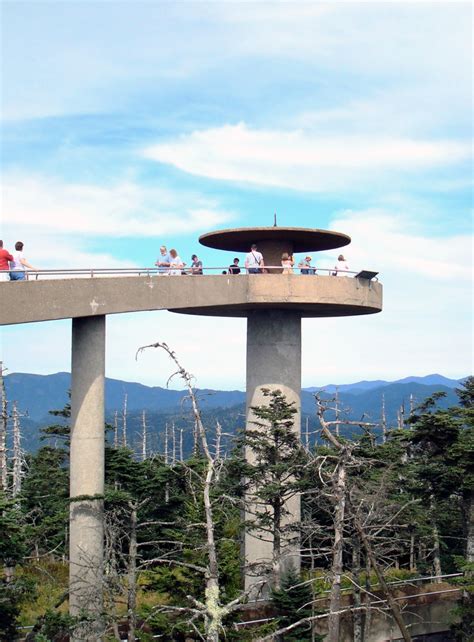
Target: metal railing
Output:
{"points": [[156, 271]]}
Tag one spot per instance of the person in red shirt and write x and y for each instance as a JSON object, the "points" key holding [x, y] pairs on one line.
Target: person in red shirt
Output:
{"points": [[5, 257]]}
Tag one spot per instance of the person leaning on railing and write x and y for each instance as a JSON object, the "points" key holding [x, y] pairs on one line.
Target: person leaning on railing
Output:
{"points": [[163, 261], [306, 267], [341, 268], [19, 265], [176, 264], [196, 265], [234, 268]]}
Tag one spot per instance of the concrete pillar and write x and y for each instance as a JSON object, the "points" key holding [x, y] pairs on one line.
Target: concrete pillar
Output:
{"points": [[86, 543], [272, 251], [273, 361]]}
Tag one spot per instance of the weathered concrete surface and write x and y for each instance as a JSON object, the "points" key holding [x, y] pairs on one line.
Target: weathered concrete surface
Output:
{"points": [[425, 614], [218, 295], [274, 362], [87, 472]]}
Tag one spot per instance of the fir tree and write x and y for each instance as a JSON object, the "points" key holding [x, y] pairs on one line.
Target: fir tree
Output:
{"points": [[292, 602]]}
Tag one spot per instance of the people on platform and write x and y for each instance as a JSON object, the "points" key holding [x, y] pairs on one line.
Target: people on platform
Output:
{"points": [[287, 263], [19, 265], [163, 261], [341, 268], [291, 258], [176, 265], [196, 265], [254, 261], [235, 267], [5, 259], [306, 267]]}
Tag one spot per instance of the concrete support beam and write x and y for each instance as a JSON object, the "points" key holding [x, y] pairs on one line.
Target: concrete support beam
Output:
{"points": [[87, 474], [274, 362]]}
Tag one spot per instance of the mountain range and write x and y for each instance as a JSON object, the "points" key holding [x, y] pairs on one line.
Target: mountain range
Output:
{"points": [[35, 395]]}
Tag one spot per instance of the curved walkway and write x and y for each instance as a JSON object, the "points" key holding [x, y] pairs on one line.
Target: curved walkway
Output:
{"points": [[218, 295]]}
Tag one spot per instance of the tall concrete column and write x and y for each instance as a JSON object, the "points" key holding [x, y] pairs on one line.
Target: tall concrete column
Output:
{"points": [[87, 473], [274, 362]]}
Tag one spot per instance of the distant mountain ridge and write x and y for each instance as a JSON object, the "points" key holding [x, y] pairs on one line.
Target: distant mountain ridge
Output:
{"points": [[38, 394], [363, 386]]}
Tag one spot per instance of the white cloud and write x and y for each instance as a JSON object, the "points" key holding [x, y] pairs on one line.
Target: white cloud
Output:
{"points": [[394, 243], [65, 62], [300, 159], [124, 209]]}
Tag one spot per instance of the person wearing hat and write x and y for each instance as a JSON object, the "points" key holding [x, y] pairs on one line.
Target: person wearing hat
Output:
{"points": [[306, 267]]}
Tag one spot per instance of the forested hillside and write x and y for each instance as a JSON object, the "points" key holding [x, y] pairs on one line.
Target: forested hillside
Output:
{"points": [[382, 507]]}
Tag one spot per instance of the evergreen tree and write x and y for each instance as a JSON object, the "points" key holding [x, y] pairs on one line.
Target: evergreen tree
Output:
{"points": [[12, 550], [45, 500], [292, 602], [275, 461]]}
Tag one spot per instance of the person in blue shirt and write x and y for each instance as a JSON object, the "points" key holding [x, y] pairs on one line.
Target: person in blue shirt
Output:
{"points": [[163, 261]]}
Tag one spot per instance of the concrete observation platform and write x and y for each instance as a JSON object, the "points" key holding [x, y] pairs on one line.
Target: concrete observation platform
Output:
{"points": [[211, 295], [273, 303]]}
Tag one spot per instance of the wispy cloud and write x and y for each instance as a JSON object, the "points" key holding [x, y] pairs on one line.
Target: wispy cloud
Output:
{"points": [[393, 242], [300, 159], [124, 209]]}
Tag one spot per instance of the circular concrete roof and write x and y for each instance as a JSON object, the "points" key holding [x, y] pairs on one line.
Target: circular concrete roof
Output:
{"points": [[302, 239]]}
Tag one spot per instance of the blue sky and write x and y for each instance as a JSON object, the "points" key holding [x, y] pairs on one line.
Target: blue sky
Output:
{"points": [[127, 125]]}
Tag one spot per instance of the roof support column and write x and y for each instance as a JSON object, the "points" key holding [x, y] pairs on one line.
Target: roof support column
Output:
{"points": [[274, 362], [86, 546]]}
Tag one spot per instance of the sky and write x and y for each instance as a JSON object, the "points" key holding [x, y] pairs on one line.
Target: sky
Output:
{"points": [[127, 125]]}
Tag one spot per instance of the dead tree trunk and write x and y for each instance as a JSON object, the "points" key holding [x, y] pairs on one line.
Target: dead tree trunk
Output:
{"points": [[397, 615], [412, 552], [211, 609], [144, 435], [339, 494], [384, 420], [173, 444], [336, 410], [116, 439], [132, 575], [3, 432], [17, 453], [468, 509], [368, 608], [436, 555], [124, 421], [357, 615]]}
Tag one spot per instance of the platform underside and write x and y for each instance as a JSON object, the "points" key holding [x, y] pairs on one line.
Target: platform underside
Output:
{"points": [[306, 310]]}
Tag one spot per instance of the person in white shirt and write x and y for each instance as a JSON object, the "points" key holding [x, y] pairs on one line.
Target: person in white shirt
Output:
{"points": [[19, 265], [176, 264], [286, 263], [341, 268], [254, 261]]}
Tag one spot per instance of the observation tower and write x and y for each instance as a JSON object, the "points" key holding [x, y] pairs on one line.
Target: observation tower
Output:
{"points": [[273, 303]]}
